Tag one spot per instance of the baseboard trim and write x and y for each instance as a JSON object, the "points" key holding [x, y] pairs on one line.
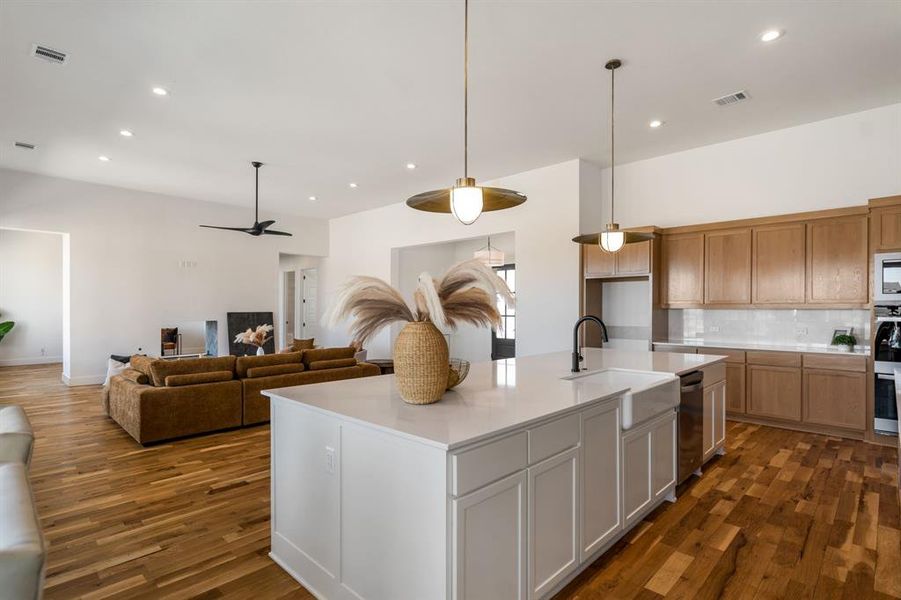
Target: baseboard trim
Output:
{"points": [[33, 360], [83, 380]]}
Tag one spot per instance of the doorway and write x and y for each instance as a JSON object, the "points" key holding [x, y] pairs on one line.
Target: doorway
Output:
{"points": [[503, 341], [290, 290]]}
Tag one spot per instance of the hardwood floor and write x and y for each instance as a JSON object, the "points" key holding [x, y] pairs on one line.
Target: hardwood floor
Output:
{"points": [[782, 515]]}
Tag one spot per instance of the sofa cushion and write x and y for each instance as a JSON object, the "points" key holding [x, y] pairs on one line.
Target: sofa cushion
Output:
{"points": [[160, 369], [16, 435], [307, 344], [136, 376], [195, 378], [21, 541], [265, 360], [270, 370], [335, 363], [311, 356]]}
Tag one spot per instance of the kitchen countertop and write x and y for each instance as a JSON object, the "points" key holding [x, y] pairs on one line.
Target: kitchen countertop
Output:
{"points": [[496, 396], [809, 348]]}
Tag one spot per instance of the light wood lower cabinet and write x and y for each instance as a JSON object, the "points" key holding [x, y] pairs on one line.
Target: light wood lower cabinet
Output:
{"points": [[835, 398], [601, 481], [774, 392], [735, 388], [553, 521], [490, 540]]}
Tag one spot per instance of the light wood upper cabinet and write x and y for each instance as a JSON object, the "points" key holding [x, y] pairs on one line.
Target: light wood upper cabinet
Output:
{"points": [[727, 273], [886, 228], [634, 259], [682, 269], [597, 262], [837, 261], [779, 265]]}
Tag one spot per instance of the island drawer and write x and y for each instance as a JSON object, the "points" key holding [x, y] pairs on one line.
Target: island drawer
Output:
{"points": [[714, 373], [836, 363], [552, 438], [774, 359], [471, 469]]}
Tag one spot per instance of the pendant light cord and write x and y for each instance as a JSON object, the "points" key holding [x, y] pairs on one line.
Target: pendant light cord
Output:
{"points": [[466, 88], [612, 144]]}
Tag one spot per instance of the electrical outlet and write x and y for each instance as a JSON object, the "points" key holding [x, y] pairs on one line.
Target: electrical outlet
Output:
{"points": [[800, 331], [331, 461], [43, 352], [713, 328]]}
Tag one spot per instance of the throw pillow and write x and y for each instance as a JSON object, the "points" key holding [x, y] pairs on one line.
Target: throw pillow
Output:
{"points": [[307, 344], [114, 367]]}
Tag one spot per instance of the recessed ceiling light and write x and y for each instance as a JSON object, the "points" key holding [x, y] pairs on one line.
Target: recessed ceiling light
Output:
{"points": [[655, 124], [103, 158], [411, 166], [353, 185], [160, 91], [125, 133], [312, 198], [769, 36]]}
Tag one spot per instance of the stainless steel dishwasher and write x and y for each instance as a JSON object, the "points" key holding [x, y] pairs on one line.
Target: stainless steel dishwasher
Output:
{"points": [[691, 424]]}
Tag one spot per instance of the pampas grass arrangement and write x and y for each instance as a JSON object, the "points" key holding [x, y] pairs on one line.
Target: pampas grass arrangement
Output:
{"points": [[255, 337], [465, 294]]}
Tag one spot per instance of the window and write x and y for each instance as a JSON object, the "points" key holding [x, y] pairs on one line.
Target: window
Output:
{"points": [[503, 344]]}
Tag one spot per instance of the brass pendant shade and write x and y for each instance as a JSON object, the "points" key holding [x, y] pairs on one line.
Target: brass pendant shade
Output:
{"points": [[466, 200], [438, 201], [612, 239]]}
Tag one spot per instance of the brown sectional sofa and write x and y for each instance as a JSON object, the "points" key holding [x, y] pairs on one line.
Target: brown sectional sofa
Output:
{"points": [[159, 399]]}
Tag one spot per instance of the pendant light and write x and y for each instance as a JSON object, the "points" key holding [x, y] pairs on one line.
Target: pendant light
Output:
{"points": [[490, 255], [612, 239], [466, 200]]}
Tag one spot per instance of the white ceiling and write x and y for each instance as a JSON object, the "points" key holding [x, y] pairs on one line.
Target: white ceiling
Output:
{"points": [[327, 93]]}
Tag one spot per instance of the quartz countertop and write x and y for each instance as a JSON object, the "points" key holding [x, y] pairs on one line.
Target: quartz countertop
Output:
{"points": [[496, 397], [809, 348]]}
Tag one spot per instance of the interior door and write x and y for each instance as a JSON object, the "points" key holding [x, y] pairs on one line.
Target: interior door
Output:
{"points": [[309, 309], [290, 292]]}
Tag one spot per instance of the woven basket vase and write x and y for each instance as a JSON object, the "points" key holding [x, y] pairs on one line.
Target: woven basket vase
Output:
{"points": [[421, 363]]}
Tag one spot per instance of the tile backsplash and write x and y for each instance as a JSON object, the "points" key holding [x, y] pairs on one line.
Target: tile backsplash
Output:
{"points": [[761, 326]]}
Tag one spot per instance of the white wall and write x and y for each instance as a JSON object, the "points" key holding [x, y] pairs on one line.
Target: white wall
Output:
{"points": [[125, 249], [547, 261], [843, 161], [31, 294]]}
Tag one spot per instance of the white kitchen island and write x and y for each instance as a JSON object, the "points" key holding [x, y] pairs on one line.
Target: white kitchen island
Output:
{"points": [[506, 488]]}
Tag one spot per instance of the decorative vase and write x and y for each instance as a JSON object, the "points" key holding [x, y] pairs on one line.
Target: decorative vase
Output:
{"points": [[421, 363], [260, 351]]}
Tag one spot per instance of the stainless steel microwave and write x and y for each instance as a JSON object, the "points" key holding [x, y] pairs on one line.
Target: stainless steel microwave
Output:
{"points": [[887, 277]]}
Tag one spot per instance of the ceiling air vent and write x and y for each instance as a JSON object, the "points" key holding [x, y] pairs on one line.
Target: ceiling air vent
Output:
{"points": [[49, 54], [731, 98], [25, 145]]}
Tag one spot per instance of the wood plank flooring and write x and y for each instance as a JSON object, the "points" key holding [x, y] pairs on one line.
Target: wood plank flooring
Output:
{"points": [[782, 515]]}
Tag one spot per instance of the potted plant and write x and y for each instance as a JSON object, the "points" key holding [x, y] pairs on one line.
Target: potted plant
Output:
{"points": [[6, 327], [844, 340], [466, 294]]}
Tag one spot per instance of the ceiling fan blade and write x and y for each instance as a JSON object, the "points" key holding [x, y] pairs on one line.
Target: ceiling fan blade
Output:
{"points": [[264, 224], [242, 229], [273, 232]]}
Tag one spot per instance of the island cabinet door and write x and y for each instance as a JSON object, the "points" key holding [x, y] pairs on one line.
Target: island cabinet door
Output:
{"points": [[489, 541], [602, 516], [636, 473], [663, 455], [714, 418], [553, 521]]}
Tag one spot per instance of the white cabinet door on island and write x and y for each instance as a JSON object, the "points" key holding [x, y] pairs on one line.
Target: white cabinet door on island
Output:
{"points": [[490, 495]]}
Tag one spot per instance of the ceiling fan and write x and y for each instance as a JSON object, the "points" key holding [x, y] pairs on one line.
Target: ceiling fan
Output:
{"points": [[257, 228]]}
